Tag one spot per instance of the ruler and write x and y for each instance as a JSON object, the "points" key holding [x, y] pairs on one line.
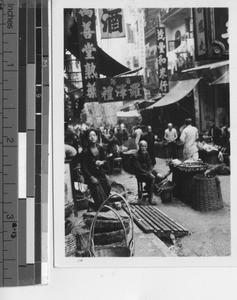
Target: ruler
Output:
{"points": [[24, 89]]}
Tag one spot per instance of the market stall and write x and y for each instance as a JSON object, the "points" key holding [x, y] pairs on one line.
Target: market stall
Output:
{"points": [[197, 184], [162, 151]]}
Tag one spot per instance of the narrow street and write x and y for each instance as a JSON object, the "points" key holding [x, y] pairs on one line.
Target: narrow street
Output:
{"points": [[209, 232]]}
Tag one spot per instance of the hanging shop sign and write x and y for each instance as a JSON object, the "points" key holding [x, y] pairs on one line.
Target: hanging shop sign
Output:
{"points": [[112, 23], [121, 89], [220, 30], [88, 53], [200, 32], [211, 33], [162, 60]]}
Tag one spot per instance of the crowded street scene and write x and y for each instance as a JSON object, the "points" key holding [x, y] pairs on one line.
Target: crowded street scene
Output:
{"points": [[147, 132]]}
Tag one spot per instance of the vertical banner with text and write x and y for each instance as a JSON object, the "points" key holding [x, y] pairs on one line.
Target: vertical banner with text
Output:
{"points": [[200, 32], [88, 52], [162, 60]]}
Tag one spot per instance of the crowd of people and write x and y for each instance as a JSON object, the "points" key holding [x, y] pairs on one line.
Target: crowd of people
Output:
{"points": [[93, 149]]}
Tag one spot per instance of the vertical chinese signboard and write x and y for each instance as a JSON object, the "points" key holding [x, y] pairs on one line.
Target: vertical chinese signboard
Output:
{"points": [[111, 23], [121, 89], [88, 52], [221, 27], [211, 33], [200, 32], [162, 60]]}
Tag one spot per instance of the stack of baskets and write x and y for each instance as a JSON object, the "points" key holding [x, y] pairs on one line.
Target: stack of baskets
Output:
{"points": [[125, 249], [207, 193]]}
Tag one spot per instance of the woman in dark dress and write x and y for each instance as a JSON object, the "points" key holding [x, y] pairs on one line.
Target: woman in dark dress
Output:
{"points": [[93, 166]]}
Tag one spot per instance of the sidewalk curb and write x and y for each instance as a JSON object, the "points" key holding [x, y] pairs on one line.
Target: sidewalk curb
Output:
{"points": [[160, 245]]}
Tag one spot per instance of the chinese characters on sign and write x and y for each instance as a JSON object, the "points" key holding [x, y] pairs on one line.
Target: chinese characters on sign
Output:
{"points": [[121, 89], [162, 60], [111, 23], [88, 52], [199, 22]]}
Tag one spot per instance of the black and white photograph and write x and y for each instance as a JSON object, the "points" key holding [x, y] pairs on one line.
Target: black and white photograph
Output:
{"points": [[147, 131], [118, 145], [143, 115]]}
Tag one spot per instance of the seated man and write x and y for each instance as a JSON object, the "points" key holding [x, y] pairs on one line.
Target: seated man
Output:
{"points": [[143, 169]]}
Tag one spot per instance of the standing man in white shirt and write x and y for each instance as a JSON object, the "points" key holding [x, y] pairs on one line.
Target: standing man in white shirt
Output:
{"points": [[138, 133], [189, 138], [171, 136]]}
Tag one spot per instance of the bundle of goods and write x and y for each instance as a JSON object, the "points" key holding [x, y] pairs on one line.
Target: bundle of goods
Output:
{"points": [[208, 147], [209, 153], [117, 188]]}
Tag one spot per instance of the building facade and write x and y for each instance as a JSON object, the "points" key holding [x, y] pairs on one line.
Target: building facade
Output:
{"points": [[197, 53]]}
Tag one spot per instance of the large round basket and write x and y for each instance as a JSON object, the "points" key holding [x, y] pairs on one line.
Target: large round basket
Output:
{"points": [[192, 167], [207, 193], [183, 175]]}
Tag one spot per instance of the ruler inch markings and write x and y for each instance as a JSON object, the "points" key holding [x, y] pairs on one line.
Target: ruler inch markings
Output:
{"points": [[9, 49]]}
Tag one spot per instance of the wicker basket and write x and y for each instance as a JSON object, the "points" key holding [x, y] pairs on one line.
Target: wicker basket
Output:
{"points": [[210, 157], [192, 167], [207, 193], [166, 193], [183, 175], [126, 250], [70, 245]]}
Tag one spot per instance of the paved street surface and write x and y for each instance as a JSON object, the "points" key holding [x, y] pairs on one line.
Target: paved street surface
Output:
{"points": [[209, 232]]}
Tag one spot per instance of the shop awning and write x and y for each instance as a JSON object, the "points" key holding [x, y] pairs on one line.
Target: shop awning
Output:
{"points": [[222, 79], [108, 66], [136, 102], [128, 114], [208, 66], [178, 92], [72, 88]]}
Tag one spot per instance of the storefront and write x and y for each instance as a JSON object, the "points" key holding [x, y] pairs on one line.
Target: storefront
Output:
{"points": [[212, 94], [174, 107]]}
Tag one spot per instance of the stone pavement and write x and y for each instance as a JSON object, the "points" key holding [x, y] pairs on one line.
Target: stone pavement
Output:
{"points": [[209, 232]]}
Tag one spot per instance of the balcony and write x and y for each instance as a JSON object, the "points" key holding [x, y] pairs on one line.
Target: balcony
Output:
{"points": [[176, 15]]}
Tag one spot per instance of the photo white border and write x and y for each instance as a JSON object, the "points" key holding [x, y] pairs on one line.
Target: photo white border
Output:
{"points": [[58, 138]]}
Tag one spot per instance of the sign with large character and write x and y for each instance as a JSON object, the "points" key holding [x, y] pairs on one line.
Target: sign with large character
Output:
{"points": [[162, 60], [112, 23], [121, 89], [88, 52]]}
